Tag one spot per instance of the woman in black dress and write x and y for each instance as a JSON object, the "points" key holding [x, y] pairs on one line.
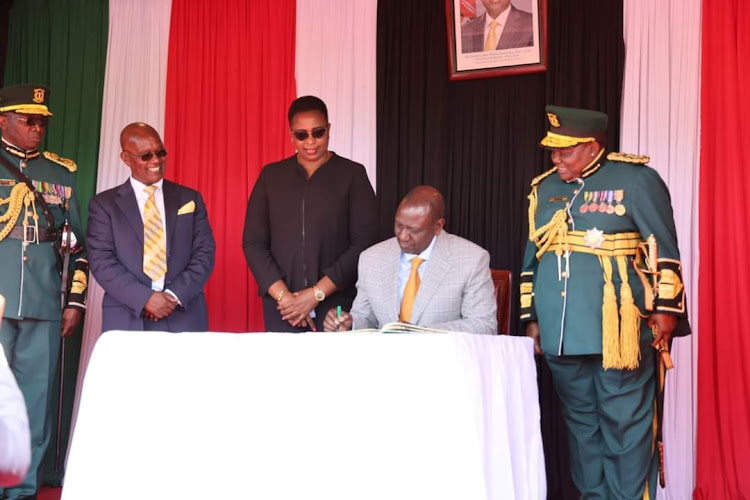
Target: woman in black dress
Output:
{"points": [[308, 219]]}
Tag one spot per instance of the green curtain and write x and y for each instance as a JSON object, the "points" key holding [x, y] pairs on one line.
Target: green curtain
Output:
{"points": [[63, 44]]}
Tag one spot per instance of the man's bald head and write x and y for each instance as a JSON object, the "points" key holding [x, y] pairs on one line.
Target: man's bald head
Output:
{"points": [[419, 218], [143, 152], [136, 130]]}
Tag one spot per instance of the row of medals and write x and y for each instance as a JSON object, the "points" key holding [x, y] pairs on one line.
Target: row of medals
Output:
{"points": [[601, 201]]}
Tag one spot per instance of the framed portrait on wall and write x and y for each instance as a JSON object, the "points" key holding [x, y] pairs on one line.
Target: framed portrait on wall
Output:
{"points": [[488, 38]]}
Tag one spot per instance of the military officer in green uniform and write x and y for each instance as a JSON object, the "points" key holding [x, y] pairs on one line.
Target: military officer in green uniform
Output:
{"points": [[40, 237], [601, 287]]}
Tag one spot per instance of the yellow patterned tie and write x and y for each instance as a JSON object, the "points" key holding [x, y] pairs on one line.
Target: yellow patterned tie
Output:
{"points": [[154, 253], [491, 42], [410, 291]]}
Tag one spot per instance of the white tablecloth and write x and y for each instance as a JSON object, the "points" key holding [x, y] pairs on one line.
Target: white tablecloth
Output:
{"points": [[300, 416]]}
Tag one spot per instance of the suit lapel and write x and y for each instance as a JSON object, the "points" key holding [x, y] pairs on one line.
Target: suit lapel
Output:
{"points": [[390, 279], [171, 202], [510, 36], [128, 205], [437, 268], [478, 36]]}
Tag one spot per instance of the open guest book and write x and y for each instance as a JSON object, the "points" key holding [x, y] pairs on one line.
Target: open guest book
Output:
{"points": [[398, 327]]}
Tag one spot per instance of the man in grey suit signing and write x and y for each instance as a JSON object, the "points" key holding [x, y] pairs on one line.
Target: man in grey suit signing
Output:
{"points": [[423, 275]]}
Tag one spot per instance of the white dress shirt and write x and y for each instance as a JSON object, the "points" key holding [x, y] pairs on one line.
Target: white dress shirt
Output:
{"points": [[15, 440], [501, 20], [404, 269]]}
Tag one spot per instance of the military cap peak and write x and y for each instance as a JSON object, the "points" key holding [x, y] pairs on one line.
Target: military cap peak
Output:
{"points": [[572, 126], [27, 99]]}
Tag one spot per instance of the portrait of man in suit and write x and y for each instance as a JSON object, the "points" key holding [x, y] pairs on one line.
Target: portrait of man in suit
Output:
{"points": [[151, 247], [502, 26], [423, 275]]}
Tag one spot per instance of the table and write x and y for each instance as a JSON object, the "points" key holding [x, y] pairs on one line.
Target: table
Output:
{"points": [[302, 416]]}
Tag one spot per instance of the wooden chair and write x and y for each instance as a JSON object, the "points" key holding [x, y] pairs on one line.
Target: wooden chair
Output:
{"points": [[502, 280]]}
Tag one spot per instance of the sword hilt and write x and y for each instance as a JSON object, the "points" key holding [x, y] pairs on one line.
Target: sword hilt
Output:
{"points": [[663, 349]]}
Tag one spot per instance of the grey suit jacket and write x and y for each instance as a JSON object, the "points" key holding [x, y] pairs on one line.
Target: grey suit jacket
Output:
{"points": [[456, 291], [518, 32]]}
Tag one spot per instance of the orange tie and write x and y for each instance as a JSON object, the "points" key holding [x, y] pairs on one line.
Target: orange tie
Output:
{"points": [[410, 291]]}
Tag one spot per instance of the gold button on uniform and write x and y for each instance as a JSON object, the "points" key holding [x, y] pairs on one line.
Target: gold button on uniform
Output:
{"points": [[562, 294]]}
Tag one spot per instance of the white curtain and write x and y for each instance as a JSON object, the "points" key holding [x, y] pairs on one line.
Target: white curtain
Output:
{"points": [[134, 90], [660, 118], [335, 60]]}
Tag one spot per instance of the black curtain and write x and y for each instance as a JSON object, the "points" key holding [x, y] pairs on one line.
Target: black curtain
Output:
{"points": [[477, 140], [5, 6]]}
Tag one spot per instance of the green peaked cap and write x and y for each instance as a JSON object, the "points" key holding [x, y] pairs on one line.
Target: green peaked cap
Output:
{"points": [[572, 126]]}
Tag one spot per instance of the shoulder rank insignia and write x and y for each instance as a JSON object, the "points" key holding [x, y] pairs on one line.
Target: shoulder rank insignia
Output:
{"points": [[540, 178], [628, 158], [65, 162]]}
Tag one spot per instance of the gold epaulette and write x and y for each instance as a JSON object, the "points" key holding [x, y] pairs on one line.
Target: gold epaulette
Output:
{"points": [[65, 162], [540, 178], [628, 158]]}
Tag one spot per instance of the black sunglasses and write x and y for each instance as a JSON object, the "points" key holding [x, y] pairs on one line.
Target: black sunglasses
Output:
{"points": [[317, 133], [147, 156], [32, 121]]}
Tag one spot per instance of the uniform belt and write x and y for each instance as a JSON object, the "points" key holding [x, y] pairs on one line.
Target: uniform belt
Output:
{"points": [[45, 234], [612, 245]]}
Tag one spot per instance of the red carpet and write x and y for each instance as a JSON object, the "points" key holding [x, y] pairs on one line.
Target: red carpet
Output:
{"points": [[49, 494]]}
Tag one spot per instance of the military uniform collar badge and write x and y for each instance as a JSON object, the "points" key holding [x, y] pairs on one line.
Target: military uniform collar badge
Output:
{"points": [[21, 153], [593, 166]]}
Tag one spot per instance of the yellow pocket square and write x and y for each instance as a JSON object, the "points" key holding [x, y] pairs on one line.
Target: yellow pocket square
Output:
{"points": [[187, 208]]}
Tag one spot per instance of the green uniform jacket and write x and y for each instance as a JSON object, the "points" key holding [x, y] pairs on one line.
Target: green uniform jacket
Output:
{"points": [[566, 299], [31, 279]]}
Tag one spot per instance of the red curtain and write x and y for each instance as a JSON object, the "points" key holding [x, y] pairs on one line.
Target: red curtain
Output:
{"points": [[723, 441], [230, 79]]}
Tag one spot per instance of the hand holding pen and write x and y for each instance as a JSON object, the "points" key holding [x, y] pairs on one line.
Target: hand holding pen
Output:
{"points": [[337, 320]]}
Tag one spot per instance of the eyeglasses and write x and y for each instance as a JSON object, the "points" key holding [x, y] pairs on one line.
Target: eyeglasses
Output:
{"points": [[32, 121], [317, 133], [147, 156]]}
